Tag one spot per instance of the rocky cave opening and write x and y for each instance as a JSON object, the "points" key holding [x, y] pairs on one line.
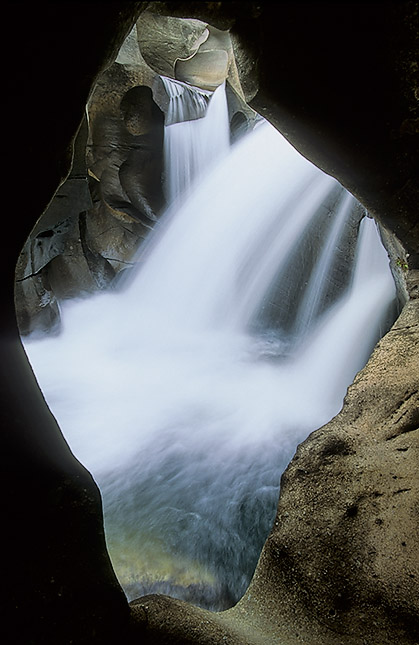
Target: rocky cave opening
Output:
{"points": [[89, 237], [340, 564]]}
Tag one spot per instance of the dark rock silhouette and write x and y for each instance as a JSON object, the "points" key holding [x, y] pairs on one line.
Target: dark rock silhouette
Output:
{"points": [[340, 566]]}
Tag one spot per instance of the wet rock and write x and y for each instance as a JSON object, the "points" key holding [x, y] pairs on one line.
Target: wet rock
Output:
{"points": [[109, 202], [113, 239], [38, 308]]}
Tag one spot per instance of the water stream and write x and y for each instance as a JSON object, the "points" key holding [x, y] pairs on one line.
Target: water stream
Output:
{"points": [[186, 391]]}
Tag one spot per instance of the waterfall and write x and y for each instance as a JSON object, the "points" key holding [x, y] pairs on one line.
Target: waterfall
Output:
{"points": [[187, 392], [191, 145], [317, 282]]}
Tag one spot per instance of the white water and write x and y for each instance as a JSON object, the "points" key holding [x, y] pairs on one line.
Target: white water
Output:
{"points": [[317, 282], [184, 410], [192, 146]]}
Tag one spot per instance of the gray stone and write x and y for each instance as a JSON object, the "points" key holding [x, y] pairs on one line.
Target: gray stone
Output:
{"points": [[38, 309], [163, 40]]}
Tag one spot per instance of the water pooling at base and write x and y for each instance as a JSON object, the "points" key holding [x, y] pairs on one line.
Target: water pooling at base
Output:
{"points": [[186, 392]]}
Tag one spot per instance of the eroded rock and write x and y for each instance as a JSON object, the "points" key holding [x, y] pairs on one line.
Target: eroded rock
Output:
{"points": [[61, 584], [113, 195]]}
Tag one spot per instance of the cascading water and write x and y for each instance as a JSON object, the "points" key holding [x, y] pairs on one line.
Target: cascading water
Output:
{"points": [[191, 144], [186, 392]]}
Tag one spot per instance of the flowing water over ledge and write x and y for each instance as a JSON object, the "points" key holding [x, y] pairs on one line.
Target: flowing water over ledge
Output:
{"points": [[186, 391]]}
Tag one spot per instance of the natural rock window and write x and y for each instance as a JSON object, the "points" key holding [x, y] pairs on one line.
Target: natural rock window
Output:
{"points": [[189, 454]]}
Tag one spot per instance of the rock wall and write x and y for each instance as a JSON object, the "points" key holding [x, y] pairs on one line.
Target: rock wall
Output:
{"points": [[341, 563], [57, 581], [113, 195]]}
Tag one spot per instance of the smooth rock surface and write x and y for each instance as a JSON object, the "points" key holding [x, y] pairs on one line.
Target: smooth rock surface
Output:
{"points": [[113, 196]]}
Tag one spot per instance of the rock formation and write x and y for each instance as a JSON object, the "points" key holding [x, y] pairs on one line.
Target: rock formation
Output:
{"points": [[113, 194], [341, 564]]}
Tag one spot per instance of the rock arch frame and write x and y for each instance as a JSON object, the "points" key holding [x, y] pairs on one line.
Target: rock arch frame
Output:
{"points": [[60, 584]]}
